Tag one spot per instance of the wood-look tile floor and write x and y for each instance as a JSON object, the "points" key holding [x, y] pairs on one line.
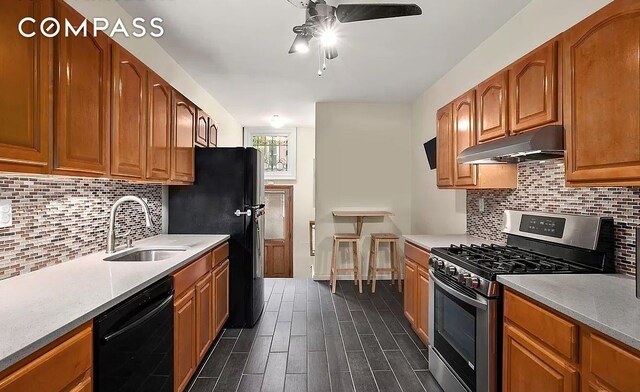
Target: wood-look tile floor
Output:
{"points": [[311, 340]]}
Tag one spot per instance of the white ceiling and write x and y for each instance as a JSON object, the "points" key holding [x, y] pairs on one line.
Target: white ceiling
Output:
{"points": [[237, 50]]}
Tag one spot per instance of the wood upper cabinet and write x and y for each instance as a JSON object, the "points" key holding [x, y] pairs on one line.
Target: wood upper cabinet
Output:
{"points": [[422, 309], [444, 146], [184, 343], [81, 104], [533, 89], [221, 285], [128, 115], [25, 107], [202, 129], [158, 165], [529, 366], [464, 136], [601, 99], [182, 149], [204, 315], [493, 108], [64, 365], [213, 133], [410, 281]]}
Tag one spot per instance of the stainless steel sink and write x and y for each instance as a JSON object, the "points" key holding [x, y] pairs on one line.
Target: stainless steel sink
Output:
{"points": [[145, 255]]}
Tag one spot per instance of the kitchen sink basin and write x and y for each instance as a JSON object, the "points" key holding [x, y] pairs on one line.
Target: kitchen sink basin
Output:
{"points": [[144, 255]]}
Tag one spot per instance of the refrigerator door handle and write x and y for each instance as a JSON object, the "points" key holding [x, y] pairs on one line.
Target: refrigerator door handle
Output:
{"points": [[239, 213]]}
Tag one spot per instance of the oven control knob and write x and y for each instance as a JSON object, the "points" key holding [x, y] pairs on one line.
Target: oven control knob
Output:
{"points": [[473, 283], [440, 264], [463, 276], [451, 270]]}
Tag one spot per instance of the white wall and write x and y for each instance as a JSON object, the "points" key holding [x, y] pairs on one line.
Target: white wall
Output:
{"points": [[363, 160], [156, 58], [443, 211], [303, 201]]}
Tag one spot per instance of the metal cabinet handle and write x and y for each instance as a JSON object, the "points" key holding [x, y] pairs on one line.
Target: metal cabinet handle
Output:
{"points": [[247, 213]]}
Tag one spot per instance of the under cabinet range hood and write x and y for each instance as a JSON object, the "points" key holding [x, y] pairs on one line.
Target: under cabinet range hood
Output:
{"points": [[536, 145]]}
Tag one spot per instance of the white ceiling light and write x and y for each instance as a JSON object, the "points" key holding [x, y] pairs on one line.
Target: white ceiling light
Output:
{"points": [[328, 38], [276, 121]]}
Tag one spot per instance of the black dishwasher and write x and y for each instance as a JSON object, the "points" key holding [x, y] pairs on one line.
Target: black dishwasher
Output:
{"points": [[133, 343]]}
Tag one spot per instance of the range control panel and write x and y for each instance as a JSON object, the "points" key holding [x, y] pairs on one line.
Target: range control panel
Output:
{"points": [[543, 225]]}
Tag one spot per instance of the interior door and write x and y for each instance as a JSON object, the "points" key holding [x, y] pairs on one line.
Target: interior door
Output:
{"points": [[278, 231]]}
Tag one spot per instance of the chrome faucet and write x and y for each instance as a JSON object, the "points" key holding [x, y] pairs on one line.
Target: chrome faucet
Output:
{"points": [[111, 235]]}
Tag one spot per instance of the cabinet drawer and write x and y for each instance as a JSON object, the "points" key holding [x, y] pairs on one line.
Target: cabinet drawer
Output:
{"points": [[220, 254], [56, 369], [553, 330], [418, 255], [610, 363], [188, 276]]}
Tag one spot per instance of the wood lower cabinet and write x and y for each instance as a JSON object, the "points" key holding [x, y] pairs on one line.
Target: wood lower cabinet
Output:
{"points": [[601, 100], [444, 146], [81, 104], [221, 279], [529, 366], [64, 365], [493, 108], [184, 343], [158, 129], [201, 308], [422, 309], [205, 311], [128, 115], [410, 282], [25, 108], [544, 350], [182, 149], [533, 89], [464, 120]]}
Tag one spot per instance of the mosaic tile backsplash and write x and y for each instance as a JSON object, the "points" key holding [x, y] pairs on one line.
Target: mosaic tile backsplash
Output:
{"points": [[541, 187], [56, 219]]}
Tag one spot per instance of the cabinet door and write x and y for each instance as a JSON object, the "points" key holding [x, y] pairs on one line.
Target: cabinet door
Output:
{"points": [[608, 363], [128, 115], [182, 153], [204, 316], [221, 277], [444, 146], [159, 129], [213, 133], [410, 290], [81, 133], [464, 136], [422, 309], [184, 341], [25, 108], [602, 104], [528, 366], [493, 108], [533, 86], [202, 129]]}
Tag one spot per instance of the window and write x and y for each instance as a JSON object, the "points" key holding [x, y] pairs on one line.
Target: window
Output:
{"points": [[278, 148]]}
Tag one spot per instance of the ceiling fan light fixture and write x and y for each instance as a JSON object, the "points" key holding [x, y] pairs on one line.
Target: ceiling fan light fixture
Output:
{"points": [[328, 38], [330, 53], [300, 44], [276, 121]]}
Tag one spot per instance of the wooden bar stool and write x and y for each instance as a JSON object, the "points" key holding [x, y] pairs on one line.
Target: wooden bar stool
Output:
{"points": [[354, 241], [394, 248]]}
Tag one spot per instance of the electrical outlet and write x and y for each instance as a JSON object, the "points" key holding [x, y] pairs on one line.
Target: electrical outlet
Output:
{"points": [[5, 213], [481, 204]]}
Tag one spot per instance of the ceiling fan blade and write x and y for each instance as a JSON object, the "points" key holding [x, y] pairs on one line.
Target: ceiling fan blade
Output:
{"points": [[357, 12]]}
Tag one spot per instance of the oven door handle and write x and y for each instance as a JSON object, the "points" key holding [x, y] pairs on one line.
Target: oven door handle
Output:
{"points": [[476, 303]]}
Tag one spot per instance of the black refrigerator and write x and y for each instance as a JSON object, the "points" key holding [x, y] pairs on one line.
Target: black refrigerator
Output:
{"points": [[228, 198]]}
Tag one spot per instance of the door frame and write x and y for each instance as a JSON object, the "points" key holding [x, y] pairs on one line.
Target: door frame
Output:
{"points": [[288, 190]]}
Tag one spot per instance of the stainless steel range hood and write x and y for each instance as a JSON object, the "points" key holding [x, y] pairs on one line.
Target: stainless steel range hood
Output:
{"points": [[539, 144]]}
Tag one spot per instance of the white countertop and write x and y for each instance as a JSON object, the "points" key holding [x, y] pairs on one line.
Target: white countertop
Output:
{"points": [[605, 302], [39, 307], [437, 241]]}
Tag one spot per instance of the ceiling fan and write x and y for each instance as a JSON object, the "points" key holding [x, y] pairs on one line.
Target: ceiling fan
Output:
{"points": [[321, 19]]}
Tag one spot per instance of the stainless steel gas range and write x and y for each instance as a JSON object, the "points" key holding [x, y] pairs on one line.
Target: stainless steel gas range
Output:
{"points": [[465, 308]]}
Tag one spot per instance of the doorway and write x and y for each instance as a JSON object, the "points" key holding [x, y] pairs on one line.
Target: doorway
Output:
{"points": [[278, 238]]}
